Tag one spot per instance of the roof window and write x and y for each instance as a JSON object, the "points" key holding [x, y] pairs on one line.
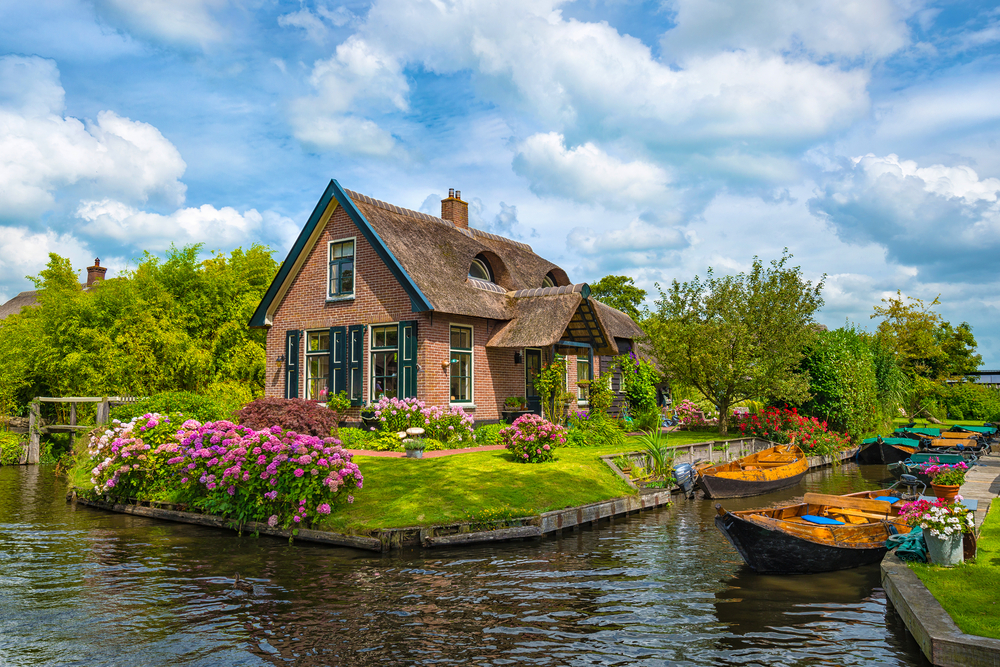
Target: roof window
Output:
{"points": [[480, 269]]}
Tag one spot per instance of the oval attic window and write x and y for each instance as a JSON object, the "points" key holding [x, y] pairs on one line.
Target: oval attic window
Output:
{"points": [[548, 281], [480, 269]]}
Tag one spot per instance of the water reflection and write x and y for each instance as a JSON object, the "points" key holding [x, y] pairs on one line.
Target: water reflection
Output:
{"points": [[81, 586]]}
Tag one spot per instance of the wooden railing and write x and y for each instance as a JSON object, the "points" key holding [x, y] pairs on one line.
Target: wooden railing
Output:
{"points": [[32, 454]]}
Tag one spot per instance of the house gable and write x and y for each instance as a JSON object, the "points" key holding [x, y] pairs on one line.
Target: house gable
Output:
{"points": [[332, 198]]}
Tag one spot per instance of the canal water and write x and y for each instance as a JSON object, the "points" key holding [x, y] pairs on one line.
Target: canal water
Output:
{"points": [[80, 586]]}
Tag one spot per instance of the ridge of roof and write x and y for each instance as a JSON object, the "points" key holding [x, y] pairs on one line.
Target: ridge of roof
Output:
{"points": [[471, 232], [582, 288]]}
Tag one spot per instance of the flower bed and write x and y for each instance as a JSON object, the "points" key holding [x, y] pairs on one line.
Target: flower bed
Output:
{"points": [[940, 517], [532, 438], [784, 425], [448, 425], [280, 477]]}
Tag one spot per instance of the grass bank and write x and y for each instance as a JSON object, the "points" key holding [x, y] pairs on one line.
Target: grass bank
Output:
{"points": [[423, 492], [968, 592]]}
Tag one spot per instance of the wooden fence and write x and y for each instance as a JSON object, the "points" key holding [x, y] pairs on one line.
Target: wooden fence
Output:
{"points": [[32, 452]]}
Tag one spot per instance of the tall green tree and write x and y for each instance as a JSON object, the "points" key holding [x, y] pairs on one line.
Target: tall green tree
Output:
{"points": [[620, 292], [925, 345], [738, 337]]}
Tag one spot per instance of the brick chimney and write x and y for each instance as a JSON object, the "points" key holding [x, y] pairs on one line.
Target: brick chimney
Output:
{"points": [[96, 272], [454, 209]]}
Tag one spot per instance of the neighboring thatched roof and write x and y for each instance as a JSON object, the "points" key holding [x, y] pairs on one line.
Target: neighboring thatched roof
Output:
{"points": [[29, 298]]}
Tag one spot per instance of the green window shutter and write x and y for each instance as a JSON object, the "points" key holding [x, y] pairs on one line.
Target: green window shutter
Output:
{"points": [[338, 360], [408, 359], [355, 363], [292, 364]]}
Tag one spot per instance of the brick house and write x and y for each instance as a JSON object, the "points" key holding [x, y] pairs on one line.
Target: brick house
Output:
{"points": [[379, 300]]}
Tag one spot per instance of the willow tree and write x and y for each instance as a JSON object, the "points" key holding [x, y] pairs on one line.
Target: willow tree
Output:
{"points": [[738, 337]]}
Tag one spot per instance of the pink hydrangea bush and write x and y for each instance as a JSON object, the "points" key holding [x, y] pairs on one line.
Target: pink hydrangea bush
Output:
{"points": [[451, 424], [532, 438], [281, 477]]}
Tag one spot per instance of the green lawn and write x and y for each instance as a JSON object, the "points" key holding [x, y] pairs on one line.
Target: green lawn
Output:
{"points": [[422, 492], [969, 591]]}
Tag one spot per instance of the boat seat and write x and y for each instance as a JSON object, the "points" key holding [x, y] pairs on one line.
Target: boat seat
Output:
{"points": [[888, 499], [821, 520]]}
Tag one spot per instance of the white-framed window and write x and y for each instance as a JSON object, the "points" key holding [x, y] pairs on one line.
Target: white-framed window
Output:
{"points": [[341, 274], [582, 374], [384, 361], [461, 363], [317, 364]]}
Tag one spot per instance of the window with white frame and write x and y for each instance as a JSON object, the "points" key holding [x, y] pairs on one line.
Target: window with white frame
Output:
{"points": [[461, 364], [317, 364], [582, 375], [385, 361], [341, 269]]}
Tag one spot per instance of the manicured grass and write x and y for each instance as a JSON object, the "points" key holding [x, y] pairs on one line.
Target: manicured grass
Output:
{"points": [[422, 492], [968, 592]]}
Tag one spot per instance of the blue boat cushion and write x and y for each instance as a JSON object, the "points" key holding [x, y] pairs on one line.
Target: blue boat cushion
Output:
{"points": [[888, 499], [824, 520]]}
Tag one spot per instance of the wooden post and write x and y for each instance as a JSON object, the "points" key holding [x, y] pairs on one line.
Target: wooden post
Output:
{"points": [[72, 413], [103, 411], [34, 436]]}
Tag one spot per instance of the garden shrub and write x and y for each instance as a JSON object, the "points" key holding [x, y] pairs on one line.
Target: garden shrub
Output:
{"points": [[451, 424], [968, 400], [691, 415], [284, 478], [11, 446], [843, 381], [290, 414], [639, 380], [532, 439], [357, 438], [592, 429], [784, 425], [230, 396], [189, 404], [488, 434]]}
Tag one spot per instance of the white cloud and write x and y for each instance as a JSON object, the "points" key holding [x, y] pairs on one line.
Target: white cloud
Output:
{"points": [[588, 174], [225, 227], [359, 78], [24, 252], [183, 22], [315, 29], [822, 28], [944, 220], [639, 244], [43, 152]]}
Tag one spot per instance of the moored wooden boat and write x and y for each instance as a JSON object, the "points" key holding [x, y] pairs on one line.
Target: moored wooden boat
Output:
{"points": [[894, 450], [822, 534], [768, 470]]}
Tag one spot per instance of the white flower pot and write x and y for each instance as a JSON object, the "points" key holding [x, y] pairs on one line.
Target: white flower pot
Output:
{"points": [[944, 550]]}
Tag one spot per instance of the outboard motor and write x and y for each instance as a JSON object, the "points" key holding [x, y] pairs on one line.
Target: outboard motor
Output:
{"points": [[686, 476], [909, 484]]}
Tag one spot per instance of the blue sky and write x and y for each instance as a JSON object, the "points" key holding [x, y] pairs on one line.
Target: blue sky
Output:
{"points": [[653, 139]]}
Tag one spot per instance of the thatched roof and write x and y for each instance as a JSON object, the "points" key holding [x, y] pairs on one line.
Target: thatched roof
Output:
{"points": [[618, 323], [436, 254], [431, 256], [24, 299]]}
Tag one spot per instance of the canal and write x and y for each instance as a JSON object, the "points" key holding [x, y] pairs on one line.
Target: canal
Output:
{"points": [[80, 586]]}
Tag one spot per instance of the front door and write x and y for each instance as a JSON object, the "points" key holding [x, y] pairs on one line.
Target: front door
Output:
{"points": [[532, 367]]}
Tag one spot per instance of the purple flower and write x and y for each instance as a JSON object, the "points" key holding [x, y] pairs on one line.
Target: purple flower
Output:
{"points": [[323, 508], [272, 520], [299, 472]]}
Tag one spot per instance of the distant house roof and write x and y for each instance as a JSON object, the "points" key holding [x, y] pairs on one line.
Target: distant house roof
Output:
{"points": [[22, 300], [431, 256]]}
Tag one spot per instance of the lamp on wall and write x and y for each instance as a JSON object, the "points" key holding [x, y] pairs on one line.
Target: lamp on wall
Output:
{"points": [[445, 364], [517, 357], [280, 359]]}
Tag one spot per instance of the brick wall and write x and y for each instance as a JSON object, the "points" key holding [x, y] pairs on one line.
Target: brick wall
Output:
{"points": [[379, 299]]}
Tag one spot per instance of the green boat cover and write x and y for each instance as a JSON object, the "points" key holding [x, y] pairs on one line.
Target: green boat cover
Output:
{"points": [[908, 442], [922, 431], [909, 546], [988, 430]]}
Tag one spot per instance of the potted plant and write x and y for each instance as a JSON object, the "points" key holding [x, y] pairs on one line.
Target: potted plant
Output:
{"points": [[339, 404], [514, 407], [369, 421], [943, 523], [946, 479], [414, 448]]}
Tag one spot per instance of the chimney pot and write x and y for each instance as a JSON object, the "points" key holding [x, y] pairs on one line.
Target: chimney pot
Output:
{"points": [[454, 209]]}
